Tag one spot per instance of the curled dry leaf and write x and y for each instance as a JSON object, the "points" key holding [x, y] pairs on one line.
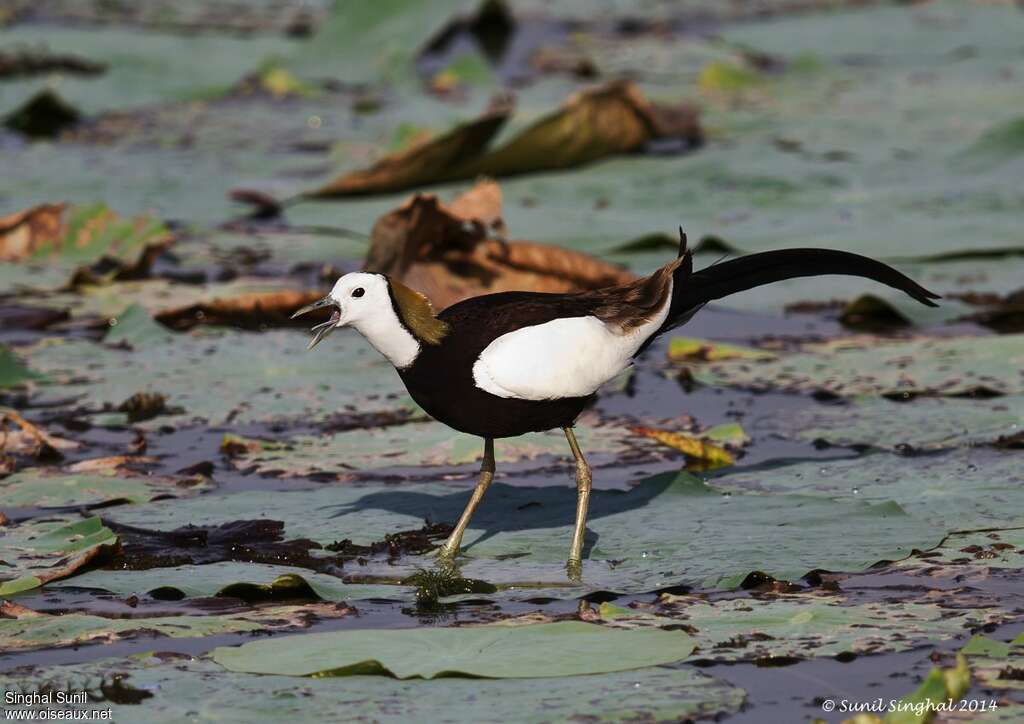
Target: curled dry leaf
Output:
{"points": [[247, 311], [111, 247], [436, 159], [609, 120], [446, 251], [30, 439], [687, 349], [613, 119], [25, 232], [44, 115], [107, 464], [708, 454]]}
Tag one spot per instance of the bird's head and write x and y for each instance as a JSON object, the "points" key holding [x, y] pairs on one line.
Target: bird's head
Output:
{"points": [[393, 317]]}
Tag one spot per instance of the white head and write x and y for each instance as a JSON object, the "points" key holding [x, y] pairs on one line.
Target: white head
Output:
{"points": [[393, 318]]}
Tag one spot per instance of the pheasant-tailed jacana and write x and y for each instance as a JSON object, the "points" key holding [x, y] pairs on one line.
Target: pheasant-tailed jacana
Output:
{"points": [[500, 365]]}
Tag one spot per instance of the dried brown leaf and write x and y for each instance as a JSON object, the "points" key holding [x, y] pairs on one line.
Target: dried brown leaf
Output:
{"points": [[430, 161], [30, 439], [446, 252], [612, 119], [24, 232], [247, 311]]}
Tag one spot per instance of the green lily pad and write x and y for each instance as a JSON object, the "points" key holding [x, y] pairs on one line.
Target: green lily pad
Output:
{"points": [[926, 423], [993, 662], [224, 578], [43, 630], [198, 688], [134, 326], [568, 648], [34, 488], [750, 629], [1002, 548], [12, 370], [142, 68], [35, 552], [868, 366], [420, 443], [259, 377], [31, 630], [938, 689], [958, 491], [667, 530]]}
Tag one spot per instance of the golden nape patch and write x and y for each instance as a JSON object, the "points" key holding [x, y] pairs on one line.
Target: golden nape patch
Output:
{"points": [[417, 313]]}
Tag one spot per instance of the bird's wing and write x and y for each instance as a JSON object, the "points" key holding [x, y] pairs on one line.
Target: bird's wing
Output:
{"points": [[563, 357]]}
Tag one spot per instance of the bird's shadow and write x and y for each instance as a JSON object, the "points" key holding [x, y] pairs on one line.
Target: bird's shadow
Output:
{"points": [[508, 508]]}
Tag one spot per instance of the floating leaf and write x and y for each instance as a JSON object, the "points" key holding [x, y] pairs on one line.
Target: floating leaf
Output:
{"points": [[197, 688], [799, 625], [694, 448], [257, 310], [105, 246], [871, 366], [431, 161], [12, 371], [870, 312], [638, 540], [232, 578], [135, 327], [38, 552], [33, 488], [940, 687], [449, 253], [605, 121], [976, 489], [927, 423], [686, 349], [558, 649], [24, 629], [44, 115]]}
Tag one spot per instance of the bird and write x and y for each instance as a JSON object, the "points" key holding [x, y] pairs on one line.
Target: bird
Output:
{"points": [[505, 364]]}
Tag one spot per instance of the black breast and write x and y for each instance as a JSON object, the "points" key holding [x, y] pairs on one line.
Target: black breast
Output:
{"points": [[441, 378]]}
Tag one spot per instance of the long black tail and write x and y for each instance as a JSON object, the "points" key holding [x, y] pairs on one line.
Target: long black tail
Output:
{"points": [[737, 275]]}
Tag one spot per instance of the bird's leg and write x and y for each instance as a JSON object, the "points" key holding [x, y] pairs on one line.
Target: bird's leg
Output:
{"points": [[574, 566], [450, 549]]}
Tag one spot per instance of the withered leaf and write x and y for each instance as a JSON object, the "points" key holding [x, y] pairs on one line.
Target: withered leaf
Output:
{"points": [[246, 311], [609, 120], [110, 247], [44, 115], [25, 232], [436, 159], [449, 253]]}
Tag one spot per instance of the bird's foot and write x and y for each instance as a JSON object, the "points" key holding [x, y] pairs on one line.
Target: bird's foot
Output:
{"points": [[445, 554], [574, 570]]}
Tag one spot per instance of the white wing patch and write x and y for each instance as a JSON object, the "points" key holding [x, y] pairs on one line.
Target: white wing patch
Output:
{"points": [[569, 357]]}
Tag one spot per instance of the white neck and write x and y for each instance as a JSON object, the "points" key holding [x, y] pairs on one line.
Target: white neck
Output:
{"points": [[390, 337]]}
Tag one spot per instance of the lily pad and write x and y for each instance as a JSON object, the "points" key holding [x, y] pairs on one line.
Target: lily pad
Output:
{"points": [[921, 424], [12, 370], [419, 443], [23, 629], [199, 688], [751, 629], [33, 488], [669, 529], [36, 552], [869, 366], [568, 648], [226, 578], [957, 491], [260, 377]]}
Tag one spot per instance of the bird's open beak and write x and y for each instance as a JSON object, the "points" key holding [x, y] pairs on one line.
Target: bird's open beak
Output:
{"points": [[321, 330]]}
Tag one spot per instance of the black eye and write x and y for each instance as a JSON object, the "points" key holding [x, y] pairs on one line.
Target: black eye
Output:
{"points": [[358, 292]]}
